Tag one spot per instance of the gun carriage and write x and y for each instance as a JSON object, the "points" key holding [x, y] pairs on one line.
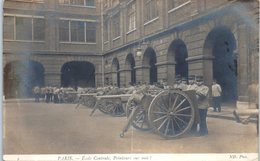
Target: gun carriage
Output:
{"points": [[170, 113]]}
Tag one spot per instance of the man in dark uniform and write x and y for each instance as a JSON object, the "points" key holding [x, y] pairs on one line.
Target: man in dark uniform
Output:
{"points": [[202, 94]]}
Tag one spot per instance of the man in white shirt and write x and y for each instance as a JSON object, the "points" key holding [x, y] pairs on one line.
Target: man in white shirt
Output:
{"points": [[216, 96]]}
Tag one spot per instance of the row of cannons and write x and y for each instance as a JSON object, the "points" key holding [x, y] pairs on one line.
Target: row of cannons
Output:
{"points": [[168, 112]]}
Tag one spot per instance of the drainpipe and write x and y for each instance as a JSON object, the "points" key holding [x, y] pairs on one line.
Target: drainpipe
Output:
{"points": [[102, 43]]}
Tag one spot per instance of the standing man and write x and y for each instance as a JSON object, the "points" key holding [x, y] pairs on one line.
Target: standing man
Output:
{"points": [[183, 84], [192, 84], [37, 92], [177, 82], [216, 96], [202, 94]]}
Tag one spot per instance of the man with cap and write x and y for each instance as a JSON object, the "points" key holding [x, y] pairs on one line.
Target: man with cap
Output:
{"points": [[202, 94], [183, 84], [177, 82], [192, 83]]}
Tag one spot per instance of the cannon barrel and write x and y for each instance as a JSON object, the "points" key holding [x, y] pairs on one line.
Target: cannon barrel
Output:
{"points": [[245, 112]]}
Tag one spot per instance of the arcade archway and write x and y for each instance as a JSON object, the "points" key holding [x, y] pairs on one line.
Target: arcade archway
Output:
{"points": [[20, 77], [115, 72], [220, 43], [178, 53], [130, 69], [149, 62], [78, 74]]}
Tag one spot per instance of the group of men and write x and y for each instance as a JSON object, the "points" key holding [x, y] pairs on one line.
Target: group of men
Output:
{"points": [[48, 94], [196, 83]]}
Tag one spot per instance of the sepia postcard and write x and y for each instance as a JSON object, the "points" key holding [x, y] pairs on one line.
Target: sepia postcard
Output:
{"points": [[130, 80]]}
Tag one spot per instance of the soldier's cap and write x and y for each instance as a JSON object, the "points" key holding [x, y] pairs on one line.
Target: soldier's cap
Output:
{"points": [[199, 78], [191, 77]]}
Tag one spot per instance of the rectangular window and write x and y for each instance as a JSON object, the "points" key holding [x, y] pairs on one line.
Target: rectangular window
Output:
{"points": [[90, 32], [38, 29], [131, 12], [64, 30], [23, 28], [77, 31], [105, 30], [9, 27], [64, 2], [90, 2], [77, 2], [116, 25], [33, 1], [151, 11]]}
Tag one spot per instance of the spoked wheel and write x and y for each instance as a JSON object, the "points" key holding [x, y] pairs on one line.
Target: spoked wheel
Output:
{"points": [[90, 102], [113, 108], [171, 113], [140, 118]]}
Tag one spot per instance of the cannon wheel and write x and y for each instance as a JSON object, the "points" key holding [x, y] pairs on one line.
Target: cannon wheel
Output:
{"points": [[89, 101], [171, 113], [112, 107], [140, 120]]}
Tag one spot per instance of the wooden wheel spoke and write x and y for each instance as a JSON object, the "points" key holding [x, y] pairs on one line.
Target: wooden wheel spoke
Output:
{"points": [[167, 127], [161, 107], [185, 108], [165, 103], [173, 129], [177, 123], [185, 115], [175, 101], [181, 120], [139, 117], [180, 104], [164, 121], [158, 119], [158, 112]]}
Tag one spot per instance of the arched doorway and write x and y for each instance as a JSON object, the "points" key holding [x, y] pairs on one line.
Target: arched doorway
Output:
{"points": [[115, 72], [149, 61], [78, 74], [21, 76], [178, 53], [130, 69], [220, 43]]}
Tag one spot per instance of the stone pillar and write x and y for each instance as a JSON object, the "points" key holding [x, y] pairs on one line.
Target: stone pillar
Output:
{"points": [[146, 74], [138, 70], [52, 78], [114, 78], [127, 73], [243, 54], [122, 78], [142, 74], [171, 73], [98, 80]]}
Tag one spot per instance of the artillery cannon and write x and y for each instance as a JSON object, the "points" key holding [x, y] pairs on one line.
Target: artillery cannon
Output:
{"points": [[86, 99], [111, 104], [170, 113]]}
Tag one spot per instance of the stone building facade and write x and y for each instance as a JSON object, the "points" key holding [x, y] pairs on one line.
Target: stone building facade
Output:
{"points": [[147, 41], [47, 41], [216, 39]]}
